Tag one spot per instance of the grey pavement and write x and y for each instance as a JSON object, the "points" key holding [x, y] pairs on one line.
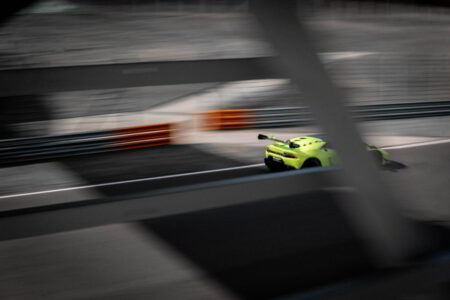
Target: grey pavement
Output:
{"points": [[108, 34]]}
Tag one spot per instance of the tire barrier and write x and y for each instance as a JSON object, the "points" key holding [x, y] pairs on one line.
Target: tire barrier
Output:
{"points": [[54, 146], [295, 116]]}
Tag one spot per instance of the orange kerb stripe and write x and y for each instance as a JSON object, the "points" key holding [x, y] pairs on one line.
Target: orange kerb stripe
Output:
{"points": [[144, 136], [145, 144], [221, 119], [145, 128]]}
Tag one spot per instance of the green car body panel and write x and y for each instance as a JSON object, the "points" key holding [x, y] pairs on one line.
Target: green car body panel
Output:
{"points": [[307, 151]]}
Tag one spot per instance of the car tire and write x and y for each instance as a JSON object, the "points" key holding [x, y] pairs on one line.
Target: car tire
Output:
{"points": [[311, 163], [270, 165]]}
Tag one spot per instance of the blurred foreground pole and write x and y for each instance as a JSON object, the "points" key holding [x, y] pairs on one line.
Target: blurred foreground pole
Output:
{"points": [[374, 214], [9, 8]]}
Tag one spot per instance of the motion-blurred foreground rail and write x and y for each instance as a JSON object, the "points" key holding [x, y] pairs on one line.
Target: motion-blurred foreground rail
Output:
{"points": [[25, 222]]}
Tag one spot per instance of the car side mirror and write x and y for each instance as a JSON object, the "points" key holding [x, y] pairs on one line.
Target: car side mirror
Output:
{"points": [[293, 145]]}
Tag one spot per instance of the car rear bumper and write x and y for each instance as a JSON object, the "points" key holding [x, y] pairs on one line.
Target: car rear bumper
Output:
{"points": [[271, 164]]}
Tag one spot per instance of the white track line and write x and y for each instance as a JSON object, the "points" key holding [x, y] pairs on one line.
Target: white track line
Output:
{"points": [[130, 181], [412, 145], [419, 144]]}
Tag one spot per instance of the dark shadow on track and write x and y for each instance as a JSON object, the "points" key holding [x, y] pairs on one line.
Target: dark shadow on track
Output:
{"points": [[152, 162], [394, 166], [270, 248], [390, 165]]}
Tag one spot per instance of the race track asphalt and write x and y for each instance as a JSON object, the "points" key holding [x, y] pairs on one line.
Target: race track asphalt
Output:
{"points": [[260, 250]]}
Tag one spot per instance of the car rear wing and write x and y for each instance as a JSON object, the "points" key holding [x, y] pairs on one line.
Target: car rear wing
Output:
{"points": [[272, 138], [275, 139]]}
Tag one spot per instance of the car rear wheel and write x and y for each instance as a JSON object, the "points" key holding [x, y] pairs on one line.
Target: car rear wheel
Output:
{"points": [[311, 163], [270, 165]]}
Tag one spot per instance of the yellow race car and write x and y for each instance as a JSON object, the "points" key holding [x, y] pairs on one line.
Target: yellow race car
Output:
{"points": [[307, 152]]}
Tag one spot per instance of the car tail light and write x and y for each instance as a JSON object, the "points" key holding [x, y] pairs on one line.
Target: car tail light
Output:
{"points": [[289, 155], [271, 151]]}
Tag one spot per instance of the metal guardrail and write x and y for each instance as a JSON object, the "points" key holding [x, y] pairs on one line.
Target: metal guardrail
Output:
{"points": [[294, 116], [46, 147]]}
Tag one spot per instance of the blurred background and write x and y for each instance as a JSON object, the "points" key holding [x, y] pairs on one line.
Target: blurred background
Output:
{"points": [[109, 101]]}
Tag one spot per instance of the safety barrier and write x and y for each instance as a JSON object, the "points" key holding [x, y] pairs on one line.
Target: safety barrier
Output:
{"points": [[54, 146], [294, 116], [46, 147]]}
